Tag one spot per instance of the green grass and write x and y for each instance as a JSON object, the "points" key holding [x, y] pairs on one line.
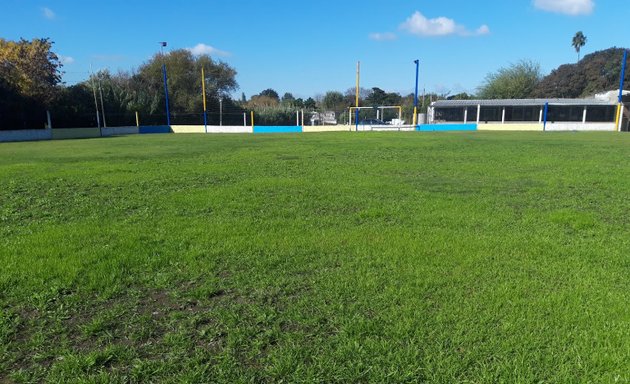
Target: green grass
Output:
{"points": [[394, 257]]}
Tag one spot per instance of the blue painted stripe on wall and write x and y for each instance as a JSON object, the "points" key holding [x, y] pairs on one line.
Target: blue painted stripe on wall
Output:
{"points": [[156, 129], [275, 129], [446, 127]]}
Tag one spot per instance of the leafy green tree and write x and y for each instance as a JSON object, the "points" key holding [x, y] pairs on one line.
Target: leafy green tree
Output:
{"points": [[378, 97], [517, 81], [74, 107], [596, 72], [310, 103], [461, 96], [29, 77], [30, 68], [271, 94], [333, 101], [288, 99], [184, 71], [579, 40]]}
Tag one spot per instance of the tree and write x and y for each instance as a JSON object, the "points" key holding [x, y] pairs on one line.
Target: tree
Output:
{"points": [[271, 94], [29, 77], [333, 100], [288, 99], [579, 40], [310, 103], [31, 68], [183, 70], [461, 96], [262, 101], [517, 81], [378, 97], [596, 72]]}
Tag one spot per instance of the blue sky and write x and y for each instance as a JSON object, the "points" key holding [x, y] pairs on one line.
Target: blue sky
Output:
{"points": [[311, 47]]}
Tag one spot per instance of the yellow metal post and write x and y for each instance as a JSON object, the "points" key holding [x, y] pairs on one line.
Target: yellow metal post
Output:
{"points": [[618, 116], [203, 88], [137, 119], [252, 119]]}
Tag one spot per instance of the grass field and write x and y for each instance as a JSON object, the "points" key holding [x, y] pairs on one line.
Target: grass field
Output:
{"points": [[391, 257]]}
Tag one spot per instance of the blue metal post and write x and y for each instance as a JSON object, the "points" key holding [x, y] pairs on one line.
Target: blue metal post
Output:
{"points": [[168, 115], [545, 117], [415, 98], [623, 75]]}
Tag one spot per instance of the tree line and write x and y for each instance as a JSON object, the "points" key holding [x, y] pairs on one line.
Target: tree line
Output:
{"points": [[31, 84]]}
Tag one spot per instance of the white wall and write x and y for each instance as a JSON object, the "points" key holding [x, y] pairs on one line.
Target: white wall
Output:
{"points": [[26, 135], [229, 129], [211, 129], [608, 127]]}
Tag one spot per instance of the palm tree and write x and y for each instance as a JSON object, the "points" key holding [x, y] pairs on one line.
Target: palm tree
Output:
{"points": [[579, 40]]}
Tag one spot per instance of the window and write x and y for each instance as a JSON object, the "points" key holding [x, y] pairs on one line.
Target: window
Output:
{"points": [[449, 114], [489, 114], [522, 113], [601, 114]]}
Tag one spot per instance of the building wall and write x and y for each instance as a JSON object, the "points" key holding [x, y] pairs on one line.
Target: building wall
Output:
{"points": [[604, 127], [75, 133], [117, 131], [155, 129], [211, 129], [277, 129], [446, 127], [394, 128], [328, 128], [511, 127], [26, 135]]}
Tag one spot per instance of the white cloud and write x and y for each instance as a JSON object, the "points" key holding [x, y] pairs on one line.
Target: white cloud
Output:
{"points": [[420, 25], [65, 60], [203, 49], [483, 30], [387, 36], [568, 7], [48, 13]]}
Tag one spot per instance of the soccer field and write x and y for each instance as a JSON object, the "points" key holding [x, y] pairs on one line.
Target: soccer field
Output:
{"points": [[335, 257]]}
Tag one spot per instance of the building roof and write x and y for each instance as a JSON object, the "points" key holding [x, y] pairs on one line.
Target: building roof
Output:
{"points": [[518, 103]]}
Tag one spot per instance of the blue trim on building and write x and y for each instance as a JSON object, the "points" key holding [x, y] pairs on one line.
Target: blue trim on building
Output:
{"points": [[446, 127], [277, 129], [155, 129]]}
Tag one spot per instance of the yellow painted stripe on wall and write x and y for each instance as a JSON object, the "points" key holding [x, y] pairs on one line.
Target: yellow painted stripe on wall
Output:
{"points": [[188, 128], [510, 127], [75, 133]]}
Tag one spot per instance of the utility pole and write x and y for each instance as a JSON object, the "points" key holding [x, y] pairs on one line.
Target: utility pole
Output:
{"points": [[168, 115]]}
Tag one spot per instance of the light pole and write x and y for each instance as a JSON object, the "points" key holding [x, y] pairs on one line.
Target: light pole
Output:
{"points": [[619, 117], [168, 115], [415, 97], [356, 117], [203, 97]]}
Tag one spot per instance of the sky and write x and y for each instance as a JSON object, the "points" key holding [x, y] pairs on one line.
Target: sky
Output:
{"points": [[311, 47]]}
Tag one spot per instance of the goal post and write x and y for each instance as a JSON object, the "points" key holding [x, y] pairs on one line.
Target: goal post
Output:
{"points": [[379, 112]]}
